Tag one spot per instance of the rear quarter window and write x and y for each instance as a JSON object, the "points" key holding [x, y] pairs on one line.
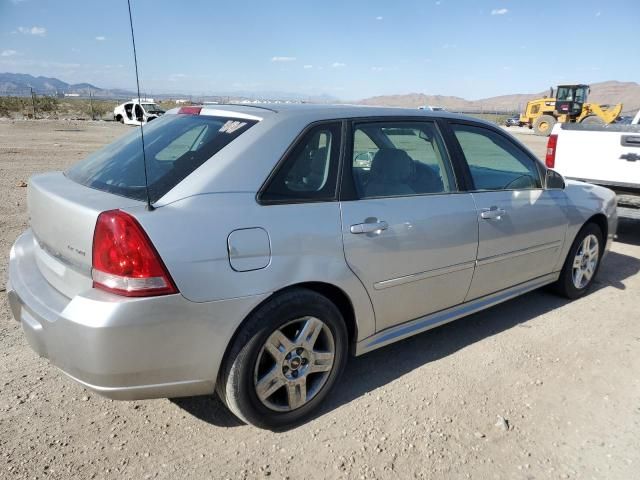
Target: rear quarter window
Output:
{"points": [[175, 146]]}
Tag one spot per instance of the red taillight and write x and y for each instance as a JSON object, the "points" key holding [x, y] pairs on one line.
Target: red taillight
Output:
{"points": [[125, 261], [190, 110], [550, 158]]}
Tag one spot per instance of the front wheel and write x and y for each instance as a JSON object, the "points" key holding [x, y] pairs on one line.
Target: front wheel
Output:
{"points": [[285, 360], [582, 262], [543, 125]]}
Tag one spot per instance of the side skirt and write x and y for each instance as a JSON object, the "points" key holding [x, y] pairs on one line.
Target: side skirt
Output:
{"points": [[422, 324]]}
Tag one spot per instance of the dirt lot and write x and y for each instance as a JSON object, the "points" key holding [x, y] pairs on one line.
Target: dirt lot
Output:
{"points": [[563, 375]]}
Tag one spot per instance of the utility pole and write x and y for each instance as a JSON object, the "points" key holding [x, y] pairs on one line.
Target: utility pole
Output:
{"points": [[91, 105], [33, 103]]}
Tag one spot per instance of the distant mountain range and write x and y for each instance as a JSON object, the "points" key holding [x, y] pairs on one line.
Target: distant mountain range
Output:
{"points": [[21, 84], [611, 92]]}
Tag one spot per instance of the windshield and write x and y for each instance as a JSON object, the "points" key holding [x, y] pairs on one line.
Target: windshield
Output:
{"points": [[175, 145], [151, 107], [572, 94]]}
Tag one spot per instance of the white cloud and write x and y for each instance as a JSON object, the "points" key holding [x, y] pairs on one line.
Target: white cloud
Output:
{"points": [[176, 76], [307, 67], [283, 59], [379, 18], [101, 38], [8, 53], [377, 69], [499, 11], [338, 65], [39, 31]]}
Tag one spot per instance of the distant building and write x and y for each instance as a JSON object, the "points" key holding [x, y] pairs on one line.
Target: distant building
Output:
{"points": [[71, 94]]}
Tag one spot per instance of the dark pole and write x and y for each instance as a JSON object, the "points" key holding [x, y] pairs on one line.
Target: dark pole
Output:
{"points": [[33, 103]]}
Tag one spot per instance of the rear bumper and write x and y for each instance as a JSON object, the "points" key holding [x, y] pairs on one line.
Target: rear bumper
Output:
{"points": [[123, 348]]}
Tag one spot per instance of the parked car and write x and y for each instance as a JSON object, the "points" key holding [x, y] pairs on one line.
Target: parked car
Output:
{"points": [[266, 247], [624, 120], [432, 108], [137, 111], [607, 155], [512, 121]]}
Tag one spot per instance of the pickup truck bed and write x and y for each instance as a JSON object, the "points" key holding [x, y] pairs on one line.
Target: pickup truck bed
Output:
{"points": [[607, 155]]}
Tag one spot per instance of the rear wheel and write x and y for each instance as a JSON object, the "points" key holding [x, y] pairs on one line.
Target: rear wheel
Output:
{"points": [[592, 120], [285, 360], [120, 119], [543, 125], [582, 262]]}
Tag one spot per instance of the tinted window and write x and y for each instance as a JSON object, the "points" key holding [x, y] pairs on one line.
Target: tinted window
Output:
{"points": [[175, 146], [310, 171], [495, 162], [400, 158]]}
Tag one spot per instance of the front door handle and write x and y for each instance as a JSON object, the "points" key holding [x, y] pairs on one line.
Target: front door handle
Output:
{"points": [[492, 213], [369, 227]]}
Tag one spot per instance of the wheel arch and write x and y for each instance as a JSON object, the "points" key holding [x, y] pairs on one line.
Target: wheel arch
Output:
{"points": [[335, 294], [600, 219]]}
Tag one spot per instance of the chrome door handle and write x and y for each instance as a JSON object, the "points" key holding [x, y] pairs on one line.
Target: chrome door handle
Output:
{"points": [[369, 227], [493, 213]]}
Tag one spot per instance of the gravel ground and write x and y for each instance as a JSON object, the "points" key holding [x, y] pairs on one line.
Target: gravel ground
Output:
{"points": [[537, 387]]}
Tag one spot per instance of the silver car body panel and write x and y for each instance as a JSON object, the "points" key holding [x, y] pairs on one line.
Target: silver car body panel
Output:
{"points": [[429, 246], [434, 320], [203, 273], [521, 244], [123, 348], [63, 215], [227, 254]]}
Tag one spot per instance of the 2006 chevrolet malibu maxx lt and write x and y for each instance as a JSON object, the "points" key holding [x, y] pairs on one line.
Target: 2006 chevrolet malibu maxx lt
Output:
{"points": [[280, 240]]}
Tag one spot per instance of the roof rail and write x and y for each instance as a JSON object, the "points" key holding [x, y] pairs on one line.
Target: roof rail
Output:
{"points": [[253, 105]]}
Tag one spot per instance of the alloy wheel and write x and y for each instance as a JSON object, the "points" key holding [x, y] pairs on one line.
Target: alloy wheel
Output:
{"points": [[294, 364], [586, 261]]}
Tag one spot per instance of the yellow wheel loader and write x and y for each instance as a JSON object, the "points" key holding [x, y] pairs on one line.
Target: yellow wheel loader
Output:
{"points": [[568, 105]]}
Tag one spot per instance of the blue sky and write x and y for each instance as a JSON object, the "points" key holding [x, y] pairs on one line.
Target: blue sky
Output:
{"points": [[348, 49]]}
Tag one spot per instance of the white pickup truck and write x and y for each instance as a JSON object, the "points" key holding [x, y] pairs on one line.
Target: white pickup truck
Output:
{"points": [[607, 155]]}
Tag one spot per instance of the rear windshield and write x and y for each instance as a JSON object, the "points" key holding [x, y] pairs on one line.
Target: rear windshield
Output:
{"points": [[175, 146]]}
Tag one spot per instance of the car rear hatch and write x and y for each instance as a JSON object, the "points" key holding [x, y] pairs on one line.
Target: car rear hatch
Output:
{"points": [[63, 217], [64, 207]]}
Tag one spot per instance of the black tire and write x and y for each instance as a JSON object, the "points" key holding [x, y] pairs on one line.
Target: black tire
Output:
{"points": [[543, 125], [592, 120], [235, 384], [565, 285], [120, 119]]}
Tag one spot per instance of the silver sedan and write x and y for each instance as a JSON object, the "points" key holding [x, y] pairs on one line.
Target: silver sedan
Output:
{"points": [[251, 249]]}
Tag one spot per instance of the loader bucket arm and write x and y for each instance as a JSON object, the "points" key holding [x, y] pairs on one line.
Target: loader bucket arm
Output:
{"points": [[606, 114]]}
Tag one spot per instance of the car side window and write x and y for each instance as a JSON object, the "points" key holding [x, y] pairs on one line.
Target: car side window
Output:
{"points": [[392, 159], [310, 170], [496, 163]]}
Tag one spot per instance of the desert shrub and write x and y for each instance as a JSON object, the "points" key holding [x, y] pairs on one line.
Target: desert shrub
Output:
{"points": [[46, 104], [10, 105]]}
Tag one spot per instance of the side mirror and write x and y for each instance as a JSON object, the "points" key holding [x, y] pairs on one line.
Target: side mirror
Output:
{"points": [[554, 181]]}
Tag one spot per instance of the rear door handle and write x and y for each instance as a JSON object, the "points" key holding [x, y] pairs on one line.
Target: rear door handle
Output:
{"points": [[369, 227], [492, 213]]}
